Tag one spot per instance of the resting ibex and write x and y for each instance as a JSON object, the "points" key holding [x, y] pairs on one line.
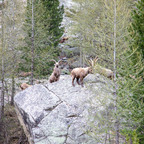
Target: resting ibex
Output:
{"points": [[56, 72], [103, 71], [24, 74], [23, 86]]}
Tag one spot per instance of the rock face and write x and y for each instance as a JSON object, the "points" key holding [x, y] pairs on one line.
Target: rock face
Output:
{"points": [[57, 113], [68, 4]]}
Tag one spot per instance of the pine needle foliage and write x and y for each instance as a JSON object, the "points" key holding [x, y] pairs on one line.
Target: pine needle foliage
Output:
{"points": [[102, 30], [136, 31], [47, 33]]}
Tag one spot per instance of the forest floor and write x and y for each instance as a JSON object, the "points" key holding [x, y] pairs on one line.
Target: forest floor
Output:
{"points": [[11, 132]]}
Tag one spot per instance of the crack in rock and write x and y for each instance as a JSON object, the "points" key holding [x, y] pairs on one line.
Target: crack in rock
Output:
{"points": [[52, 108], [56, 95], [52, 92], [66, 136], [38, 120], [73, 115]]}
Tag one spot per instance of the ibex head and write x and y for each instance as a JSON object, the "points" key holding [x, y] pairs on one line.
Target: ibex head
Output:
{"points": [[56, 63]]}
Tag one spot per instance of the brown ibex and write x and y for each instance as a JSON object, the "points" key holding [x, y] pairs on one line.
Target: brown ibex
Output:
{"points": [[24, 74], [23, 86], [56, 72], [81, 73]]}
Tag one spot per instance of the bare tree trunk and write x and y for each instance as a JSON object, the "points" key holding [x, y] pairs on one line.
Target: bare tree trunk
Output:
{"points": [[13, 90], [115, 82], [106, 135], [14, 58], [80, 56], [2, 79], [7, 91], [32, 48]]}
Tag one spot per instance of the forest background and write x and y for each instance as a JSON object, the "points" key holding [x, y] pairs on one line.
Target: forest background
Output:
{"points": [[112, 30]]}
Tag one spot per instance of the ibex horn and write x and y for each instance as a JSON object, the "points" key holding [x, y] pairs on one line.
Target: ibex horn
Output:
{"points": [[53, 60]]}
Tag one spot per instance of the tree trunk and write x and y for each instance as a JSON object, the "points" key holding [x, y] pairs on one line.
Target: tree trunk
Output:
{"points": [[32, 48], [13, 59], [2, 78], [13, 91], [115, 82]]}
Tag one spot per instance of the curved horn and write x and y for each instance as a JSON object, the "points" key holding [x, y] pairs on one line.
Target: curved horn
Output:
{"points": [[92, 62], [96, 59], [53, 60], [59, 60]]}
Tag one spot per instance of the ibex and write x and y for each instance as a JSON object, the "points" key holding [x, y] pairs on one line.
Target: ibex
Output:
{"points": [[23, 86], [103, 71], [24, 74], [81, 73], [56, 72]]}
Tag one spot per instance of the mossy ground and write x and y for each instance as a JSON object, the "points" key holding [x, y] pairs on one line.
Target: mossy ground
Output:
{"points": [[11, 132]]}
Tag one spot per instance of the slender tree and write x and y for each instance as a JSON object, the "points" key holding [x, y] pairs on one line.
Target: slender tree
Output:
{"points": [[32, 47], [107, 35], [115, 69], [2, 63], [47, 16], [12, 20]]}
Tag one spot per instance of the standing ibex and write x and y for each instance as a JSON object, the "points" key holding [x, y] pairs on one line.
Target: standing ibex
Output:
{"points": [[81, 73], [56, 72]]}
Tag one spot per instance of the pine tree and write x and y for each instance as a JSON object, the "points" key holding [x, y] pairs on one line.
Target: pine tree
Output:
{"points": [[137, 26], [137, 60], [105, 34], [47, 32], [56, 13], [13, 19]]}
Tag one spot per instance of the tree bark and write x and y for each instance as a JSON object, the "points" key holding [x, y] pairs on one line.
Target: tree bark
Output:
{"points": [[2, 78], [32, 48], [13, 90], [13, 59], [115, 81]]}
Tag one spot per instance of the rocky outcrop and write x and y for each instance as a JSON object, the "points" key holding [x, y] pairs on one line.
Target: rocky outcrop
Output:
{"points": [[57, 113], [68, 4]]}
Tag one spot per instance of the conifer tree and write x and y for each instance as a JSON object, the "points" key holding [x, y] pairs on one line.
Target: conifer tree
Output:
{"points": [[13, 19], [47, 32], [137, 28], [136, 31], [105, 33], [56, 13]]}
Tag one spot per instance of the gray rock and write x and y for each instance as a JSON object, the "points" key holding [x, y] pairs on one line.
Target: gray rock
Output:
{"points": [[57, 113], [66, 3]]}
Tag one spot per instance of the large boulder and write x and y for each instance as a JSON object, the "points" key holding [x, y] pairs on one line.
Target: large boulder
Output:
{"points": [[57, 113]]}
